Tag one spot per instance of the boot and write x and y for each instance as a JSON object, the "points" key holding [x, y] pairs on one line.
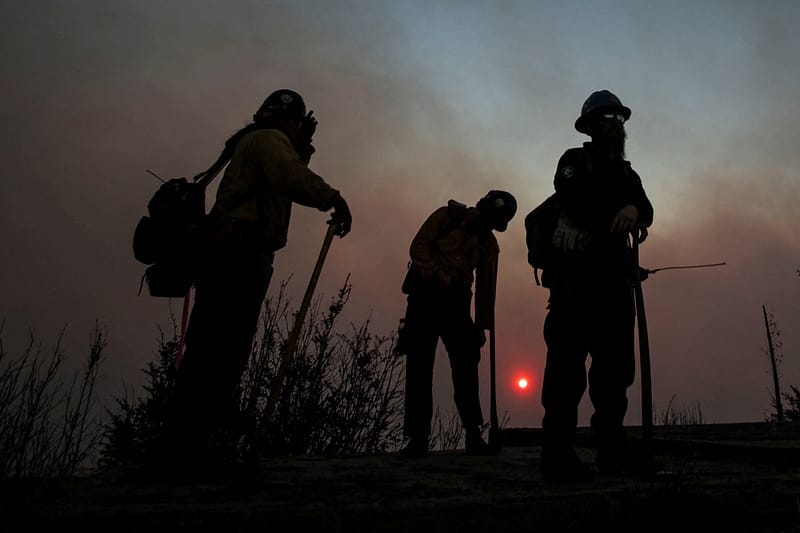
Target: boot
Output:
{"points": [[416, 448], [475, 445], [560, 463]]}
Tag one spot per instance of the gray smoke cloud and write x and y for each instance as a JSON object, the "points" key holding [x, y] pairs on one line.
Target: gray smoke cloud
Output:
{"points": [[417, 104]]}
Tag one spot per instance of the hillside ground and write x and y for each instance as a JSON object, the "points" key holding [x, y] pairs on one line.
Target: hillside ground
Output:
{"points": [[734, 477]]}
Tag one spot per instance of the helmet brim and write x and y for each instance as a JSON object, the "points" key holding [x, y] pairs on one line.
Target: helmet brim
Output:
{"points": [[582, 121]]}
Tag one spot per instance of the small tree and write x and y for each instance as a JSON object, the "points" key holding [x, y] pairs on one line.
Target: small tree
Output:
{"points": [[775, 356], [136, 428]]}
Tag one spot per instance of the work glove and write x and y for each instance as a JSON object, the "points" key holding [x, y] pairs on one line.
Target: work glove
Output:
{"points": [[481, 337], [568, 237], [625, 219], [308, 125], [341, 217]]}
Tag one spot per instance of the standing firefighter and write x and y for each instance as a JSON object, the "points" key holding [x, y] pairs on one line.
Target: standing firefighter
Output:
{"points": [[454, 242], [601, 201], [267, 172]]}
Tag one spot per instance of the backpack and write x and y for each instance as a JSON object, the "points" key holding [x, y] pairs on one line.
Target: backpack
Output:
{"points": [[167, 238], [540, 224]]}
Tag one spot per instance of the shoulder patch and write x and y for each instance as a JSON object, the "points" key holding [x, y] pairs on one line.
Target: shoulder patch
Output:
{"points": [[575, 162]]}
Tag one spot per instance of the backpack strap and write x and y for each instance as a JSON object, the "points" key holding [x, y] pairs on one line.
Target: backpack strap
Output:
{"points": [[205, 177]]}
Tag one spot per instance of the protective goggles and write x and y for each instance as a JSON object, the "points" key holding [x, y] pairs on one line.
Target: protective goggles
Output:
{"points": [[614, 116]]}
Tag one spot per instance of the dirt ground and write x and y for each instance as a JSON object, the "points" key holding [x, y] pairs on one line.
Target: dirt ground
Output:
{"points": [[739, 477]]}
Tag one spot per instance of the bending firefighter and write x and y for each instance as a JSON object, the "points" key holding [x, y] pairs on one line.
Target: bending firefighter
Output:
{"points": [[454, 248], [267, 172]]}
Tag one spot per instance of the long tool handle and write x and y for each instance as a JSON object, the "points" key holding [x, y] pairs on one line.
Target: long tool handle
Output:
{"points": [[494, 429], [294, 335], [644, 348], [494, 426]]}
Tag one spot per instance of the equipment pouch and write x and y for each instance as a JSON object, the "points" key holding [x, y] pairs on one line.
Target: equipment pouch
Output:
{"points": [[146, 241], [540, 225], [413, 281], [168, 280]]}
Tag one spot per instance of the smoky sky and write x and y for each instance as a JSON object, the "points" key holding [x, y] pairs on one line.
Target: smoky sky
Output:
{"points": [[418, 103]]}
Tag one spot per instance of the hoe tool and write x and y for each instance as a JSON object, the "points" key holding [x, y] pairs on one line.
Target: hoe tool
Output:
{"points": [[294, 335]]}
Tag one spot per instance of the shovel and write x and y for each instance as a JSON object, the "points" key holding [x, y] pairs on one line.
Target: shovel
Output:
{"points": [[644, 345]]}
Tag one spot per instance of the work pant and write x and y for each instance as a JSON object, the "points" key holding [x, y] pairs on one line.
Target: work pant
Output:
{"points": [[228, 298], [432, 315], [597, 322]]}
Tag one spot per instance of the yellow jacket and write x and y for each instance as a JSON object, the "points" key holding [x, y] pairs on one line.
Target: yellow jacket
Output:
{"points": [[264, 177], [449, 247]]}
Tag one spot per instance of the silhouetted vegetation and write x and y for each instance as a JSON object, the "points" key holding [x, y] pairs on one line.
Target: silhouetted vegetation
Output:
{"points": [[49, 426], [791, 409], [792, 412], [780, 411], [136, 427], [774, 355], [342, 394], [681, 415]]}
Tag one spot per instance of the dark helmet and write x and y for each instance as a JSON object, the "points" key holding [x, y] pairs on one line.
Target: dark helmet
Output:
{"points": [[600, 102], [282, 102], [501, 207]]}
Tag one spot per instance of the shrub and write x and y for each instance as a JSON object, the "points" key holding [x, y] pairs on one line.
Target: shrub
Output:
{"points": [[135, 429], [342, 393], [49, 427]]}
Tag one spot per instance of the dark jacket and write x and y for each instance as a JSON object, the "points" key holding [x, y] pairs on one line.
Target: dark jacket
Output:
{"points": [[591, 190]]}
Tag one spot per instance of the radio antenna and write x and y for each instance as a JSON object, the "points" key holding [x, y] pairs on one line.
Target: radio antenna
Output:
{"points": [[156, 176], [653, 271]]}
